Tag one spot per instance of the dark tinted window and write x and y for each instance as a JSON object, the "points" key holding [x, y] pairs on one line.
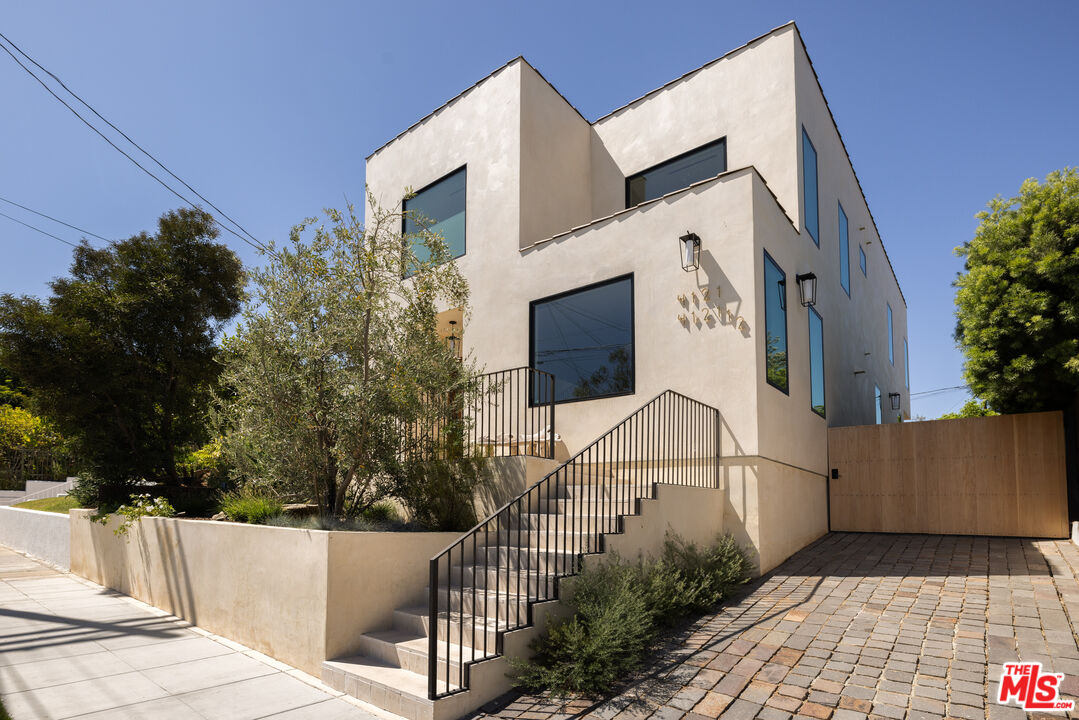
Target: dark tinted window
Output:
{"points": [[844, 252], [809, 187], [680, 172], [861, 258], [816, 362], [775, 323], [440, 207], [585, 339]]}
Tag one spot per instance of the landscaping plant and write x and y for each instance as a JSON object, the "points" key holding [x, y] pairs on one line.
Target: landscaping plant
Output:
{"points": [[249, 506], [140, 506], [336, 359], [121, 356], [618, 608]]}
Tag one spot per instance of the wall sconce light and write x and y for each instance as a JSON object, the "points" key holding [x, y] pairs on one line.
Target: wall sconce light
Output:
{"points": [[454, 341], [894, 399], [690, 247], [807, 289]]}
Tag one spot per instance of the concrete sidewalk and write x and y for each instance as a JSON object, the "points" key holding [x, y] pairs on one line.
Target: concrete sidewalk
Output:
{"points": [[69, 648]]}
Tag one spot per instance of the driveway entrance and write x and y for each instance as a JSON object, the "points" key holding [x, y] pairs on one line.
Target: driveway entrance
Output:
{"points": [[865, 625]]}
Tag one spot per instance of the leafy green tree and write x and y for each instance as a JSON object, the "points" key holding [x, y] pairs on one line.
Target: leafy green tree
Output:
{"points": [[1018, 299], [12, 391], [121, 356], [972, 408], [332, 370]]}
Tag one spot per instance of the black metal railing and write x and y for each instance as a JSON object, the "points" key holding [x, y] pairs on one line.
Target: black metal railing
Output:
{"points": [[496, 414], [485, 583]]}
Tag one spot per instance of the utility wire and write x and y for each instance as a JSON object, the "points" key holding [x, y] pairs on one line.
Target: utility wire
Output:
{"points": [[126, 137], [54, 237], [940, 390], [50, 217], [255, 244]]}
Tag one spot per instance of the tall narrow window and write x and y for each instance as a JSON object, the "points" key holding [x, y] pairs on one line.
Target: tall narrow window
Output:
{"points": [[680, 172], [775, 324], [844, 252], [876, 402], [891, 337], [816, 362], [809, 187], [584, 338], [439, 208], [906, 362], [861, 259]]}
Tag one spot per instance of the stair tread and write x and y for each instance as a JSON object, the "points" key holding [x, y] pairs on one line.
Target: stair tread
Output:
{"points": [[390, 676], [421, 643]]}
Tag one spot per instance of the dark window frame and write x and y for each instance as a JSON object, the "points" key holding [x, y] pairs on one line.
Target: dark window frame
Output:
{"points": [[786, 327], [676, 158], [844, 260], [863, 261], [891, 334], [815, 235], [428, 186], [632, 336], [823, 372]]}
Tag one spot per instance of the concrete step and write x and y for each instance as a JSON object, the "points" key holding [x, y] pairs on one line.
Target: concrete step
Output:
{"points": [[409, 651], [466, 629], [493, 577], [382, 684]]}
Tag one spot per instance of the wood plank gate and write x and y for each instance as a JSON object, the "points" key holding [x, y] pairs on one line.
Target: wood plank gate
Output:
{"points": [[1001, 475]]}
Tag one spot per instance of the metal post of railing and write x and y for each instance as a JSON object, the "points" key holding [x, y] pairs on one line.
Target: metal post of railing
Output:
{"points": [[432, 631]]}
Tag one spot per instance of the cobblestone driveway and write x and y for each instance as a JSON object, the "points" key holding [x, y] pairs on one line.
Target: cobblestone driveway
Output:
{"points": [[862, 625]]}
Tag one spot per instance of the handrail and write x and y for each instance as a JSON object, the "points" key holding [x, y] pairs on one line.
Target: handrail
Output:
{"points": [[497, 414], [527, 545]]}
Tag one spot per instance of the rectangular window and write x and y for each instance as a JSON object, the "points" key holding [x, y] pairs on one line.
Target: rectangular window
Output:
{"points": [[775, 324], [680, 172], [584, 338], [809, 187], [861, 259], [876, 402], [816, 362], [844, 252], [906, 362], [439, 208], [891, 340]]}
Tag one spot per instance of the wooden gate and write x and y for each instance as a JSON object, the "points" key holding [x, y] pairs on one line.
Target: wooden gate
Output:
{"points": [[1002, 475]]}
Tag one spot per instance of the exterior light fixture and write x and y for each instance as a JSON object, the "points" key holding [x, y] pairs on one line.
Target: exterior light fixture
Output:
{"points": [[454, 341], [690, 247], [894, 399], [807, 289]]}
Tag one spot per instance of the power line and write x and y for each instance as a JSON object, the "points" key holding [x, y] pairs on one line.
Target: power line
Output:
{"points": [[50, 217], [54, 237], [940, 390], [253, 242], [126, 137]]}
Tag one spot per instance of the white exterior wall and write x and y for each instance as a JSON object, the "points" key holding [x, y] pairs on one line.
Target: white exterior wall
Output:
{"points": [[856, 325], [745, 96], [536, 169]]}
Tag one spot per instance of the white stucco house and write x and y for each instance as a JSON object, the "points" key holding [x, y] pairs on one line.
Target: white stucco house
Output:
{"points": [[668, 245]]}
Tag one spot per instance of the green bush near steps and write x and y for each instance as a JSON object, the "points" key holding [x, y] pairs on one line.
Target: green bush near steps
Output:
{"points": [[619, 607]]}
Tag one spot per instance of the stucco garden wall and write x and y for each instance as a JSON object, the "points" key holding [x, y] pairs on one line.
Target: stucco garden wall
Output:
{"points": [[44, 535], [300, 596]]}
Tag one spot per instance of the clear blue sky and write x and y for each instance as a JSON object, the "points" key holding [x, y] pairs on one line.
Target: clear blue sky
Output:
{"points": [[269, 108]]}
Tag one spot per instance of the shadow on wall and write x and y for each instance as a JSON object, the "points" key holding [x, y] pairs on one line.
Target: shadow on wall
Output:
{"points": [[171, 555]]}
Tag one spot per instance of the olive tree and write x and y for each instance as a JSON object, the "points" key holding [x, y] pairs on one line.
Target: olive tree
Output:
{"points": [[337, 357]]}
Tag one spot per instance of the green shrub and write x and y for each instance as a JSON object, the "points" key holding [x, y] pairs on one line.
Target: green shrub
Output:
{"points": [[438, 493], [382, 513], [247, 506], [137, 507], [619, 606], [20, 428]]}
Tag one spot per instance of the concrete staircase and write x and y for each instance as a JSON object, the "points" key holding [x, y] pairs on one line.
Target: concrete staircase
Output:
{"points": [[492, 617]]}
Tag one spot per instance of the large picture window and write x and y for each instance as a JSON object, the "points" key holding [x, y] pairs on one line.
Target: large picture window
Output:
{"points": [[775, 324], [809, 188], [705, 162], [440, 208], [585, 339], [816, 362]]}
